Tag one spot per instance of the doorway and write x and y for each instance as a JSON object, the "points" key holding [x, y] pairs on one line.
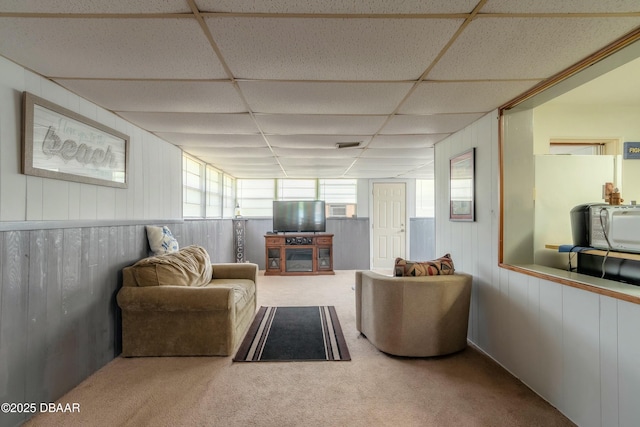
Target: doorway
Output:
{"points": [[389, 219]]}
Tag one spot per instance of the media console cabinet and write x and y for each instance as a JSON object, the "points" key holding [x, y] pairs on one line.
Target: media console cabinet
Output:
{"points": [[298, 254]]}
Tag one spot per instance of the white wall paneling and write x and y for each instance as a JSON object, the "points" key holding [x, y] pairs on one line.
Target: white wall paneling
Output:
{"points": [[628, 369], [154, 187], [58, 319], [581, 356], [577, 349]]}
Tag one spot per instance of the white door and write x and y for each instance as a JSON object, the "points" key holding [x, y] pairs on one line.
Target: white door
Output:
{"points": [[389, 216]]}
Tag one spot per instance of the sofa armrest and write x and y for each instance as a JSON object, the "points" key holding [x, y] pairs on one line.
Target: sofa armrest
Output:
{"points": [[175, 298], [236, 271]]}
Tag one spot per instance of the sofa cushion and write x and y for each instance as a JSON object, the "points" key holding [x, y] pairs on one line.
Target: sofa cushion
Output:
{"points": [[442, 265], [190, 266], [243, 290], [161, 241]]}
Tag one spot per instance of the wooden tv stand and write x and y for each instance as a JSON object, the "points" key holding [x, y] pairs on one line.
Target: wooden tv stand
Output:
{"points": [[298, 254]]}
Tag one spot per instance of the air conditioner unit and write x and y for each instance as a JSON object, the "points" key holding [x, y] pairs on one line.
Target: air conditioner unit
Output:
{"points": [[338, 210]]}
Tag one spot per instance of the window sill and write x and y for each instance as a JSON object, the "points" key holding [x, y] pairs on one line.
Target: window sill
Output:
{"points": [[610, 288]]}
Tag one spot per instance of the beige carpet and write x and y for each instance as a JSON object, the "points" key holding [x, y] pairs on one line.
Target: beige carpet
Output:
{"points": [[373, 389]]}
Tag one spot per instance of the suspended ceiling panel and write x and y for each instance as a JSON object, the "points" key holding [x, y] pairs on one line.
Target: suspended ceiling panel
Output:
{"points": [[315, 141], [340, 7], [552, 45], [84, 6], [319, 124], [213, 140], [406, 141], [197, 123], [160, 96], [264, 89], [110, 48], [330, 49], [439, 123], [452, 97], [392, 155], [324, 97], [333, 156], [555, 6], [306, 162]]}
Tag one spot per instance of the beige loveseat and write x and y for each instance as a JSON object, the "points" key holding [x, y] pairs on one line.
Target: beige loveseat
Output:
{"points": [[179, 304], [414, 316]]}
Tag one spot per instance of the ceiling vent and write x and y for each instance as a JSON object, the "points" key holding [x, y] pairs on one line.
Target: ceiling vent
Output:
{"points": [[348, 144]]}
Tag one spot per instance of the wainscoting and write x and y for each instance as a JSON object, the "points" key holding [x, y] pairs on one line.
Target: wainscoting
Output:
{"points": [[423, 236], [59, 322]]}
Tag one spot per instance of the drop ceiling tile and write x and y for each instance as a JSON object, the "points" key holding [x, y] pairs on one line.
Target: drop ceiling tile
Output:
{"points": [[315, 154], [246, 163], [159, 96], [110, 48], [462, 97], [223, 158], [323, 97], [437, 123], [406, 141], [84, 6], [391, 154], [319, 124], [251, 173], [392, 163], [315, 141], [370, 174], [330, 49], [212, 141], [555, 6], [198, 123], [328, 6], [317, 172], [492, 48], [229, 155]]}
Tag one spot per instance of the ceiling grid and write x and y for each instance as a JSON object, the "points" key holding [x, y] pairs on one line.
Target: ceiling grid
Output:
{"points": [[267, 89]]}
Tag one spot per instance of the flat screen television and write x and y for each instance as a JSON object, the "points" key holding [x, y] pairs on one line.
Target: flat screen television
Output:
{"points": [[302, 216]]}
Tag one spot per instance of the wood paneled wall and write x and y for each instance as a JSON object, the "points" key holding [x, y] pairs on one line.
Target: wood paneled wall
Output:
{"points": [[59, 322], [577, 349], [423, 239]]}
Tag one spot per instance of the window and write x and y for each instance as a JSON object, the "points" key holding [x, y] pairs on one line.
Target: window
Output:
{"points": [[192, 187], [576, 148], [297, 189], [425, 198], [214, 192], [340, 196], [206, 191], [255, 197], [229, 196]]}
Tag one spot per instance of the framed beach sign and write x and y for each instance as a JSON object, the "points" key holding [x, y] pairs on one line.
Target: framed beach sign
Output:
{"points": [[462, 186], [60, 144]]}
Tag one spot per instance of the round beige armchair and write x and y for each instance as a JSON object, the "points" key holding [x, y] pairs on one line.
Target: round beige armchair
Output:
{"points": [[414, 316]]}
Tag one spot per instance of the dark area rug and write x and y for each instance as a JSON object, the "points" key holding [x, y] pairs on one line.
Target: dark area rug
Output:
{"points": [[294, 334]]}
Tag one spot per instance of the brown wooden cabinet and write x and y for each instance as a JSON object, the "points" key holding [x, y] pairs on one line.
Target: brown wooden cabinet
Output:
{"points": [[298, 254]]}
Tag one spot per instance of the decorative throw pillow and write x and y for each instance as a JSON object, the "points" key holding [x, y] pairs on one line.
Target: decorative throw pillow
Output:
{"points": [[161, 241], [190, 266], [442, 265]]}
